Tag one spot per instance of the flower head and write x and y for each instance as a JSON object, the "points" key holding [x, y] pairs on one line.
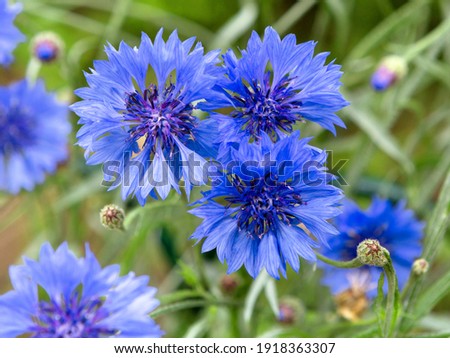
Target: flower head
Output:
{"points": [[420, 266], [389, 71], [253, 212], [146, 128], [34, 130], [47, 47], [393, 226], [112, 217], [370, 252], [275, 84], [64, 296], [10, 36]]}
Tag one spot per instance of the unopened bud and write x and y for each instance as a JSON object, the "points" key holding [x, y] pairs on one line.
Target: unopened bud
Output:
{"points": [[390, 70], [290, 310], [228, 284], [112, 217], [370, 252], [420, 266], [47, 47]]}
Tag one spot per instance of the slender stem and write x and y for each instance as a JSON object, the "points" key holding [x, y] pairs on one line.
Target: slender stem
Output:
{"points": [[341, 264], [199, 262], [179, 306], [391, 300], [436, 227], [33, 68], [428, 40]]}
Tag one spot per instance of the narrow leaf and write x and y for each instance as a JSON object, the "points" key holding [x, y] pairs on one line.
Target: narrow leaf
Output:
{"points": [[253, 294]]}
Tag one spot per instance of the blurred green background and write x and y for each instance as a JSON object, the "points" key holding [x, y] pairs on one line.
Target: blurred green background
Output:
{"points": [[397, 144]]}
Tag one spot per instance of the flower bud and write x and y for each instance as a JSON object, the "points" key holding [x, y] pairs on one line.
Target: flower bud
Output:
{"points": [[390, 70], [47, 47], [228, 284], [291, 310], [112, 217], [370, 252], [420, 267]]}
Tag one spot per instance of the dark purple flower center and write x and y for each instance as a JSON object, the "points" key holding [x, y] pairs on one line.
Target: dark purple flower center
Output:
{"points": [[72, 319], [268, 110], [262, 203], [156, 119], [16, 129]]}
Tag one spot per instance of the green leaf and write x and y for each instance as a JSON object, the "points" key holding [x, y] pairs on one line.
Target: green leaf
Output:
{"points": [[132, 216], [253, 293], [237, 25], [198, 328], [380, 137], [272, 297], [379, 34], [179, 296], [293, 15], [190, 276], [438, 223], [179, 306], [432, 296]]}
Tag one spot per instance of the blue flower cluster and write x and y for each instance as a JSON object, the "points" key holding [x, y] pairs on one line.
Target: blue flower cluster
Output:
{"points": [[140, 118], [166, 115]]}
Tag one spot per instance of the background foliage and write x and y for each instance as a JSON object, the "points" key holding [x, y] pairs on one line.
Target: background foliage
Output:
{"points": [[397, 145]]}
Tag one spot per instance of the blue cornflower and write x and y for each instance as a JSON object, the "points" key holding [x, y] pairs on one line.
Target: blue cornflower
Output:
{"points": [[146, 130], [10, 36], [34, 130], [64, 296], [395, 227], [297, 86], [259, 210]]}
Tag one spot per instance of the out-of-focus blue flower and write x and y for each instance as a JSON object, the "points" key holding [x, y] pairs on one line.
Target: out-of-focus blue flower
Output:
{"points": [[395, 227], [146, 129], [10, 36], [389, 71], [34, 130], [297, 86], [64, 296], [259, 209]]}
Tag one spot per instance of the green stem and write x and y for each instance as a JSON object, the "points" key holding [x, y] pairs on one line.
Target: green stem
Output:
{"points": [[435, 231], [179, 306], [428, 40], [391, 300], [341, 264], [32, 71]]}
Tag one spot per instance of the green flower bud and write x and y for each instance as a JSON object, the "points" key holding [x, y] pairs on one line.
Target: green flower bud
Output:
{"points": [[420, 266], [370, 252], [112, 217]]}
